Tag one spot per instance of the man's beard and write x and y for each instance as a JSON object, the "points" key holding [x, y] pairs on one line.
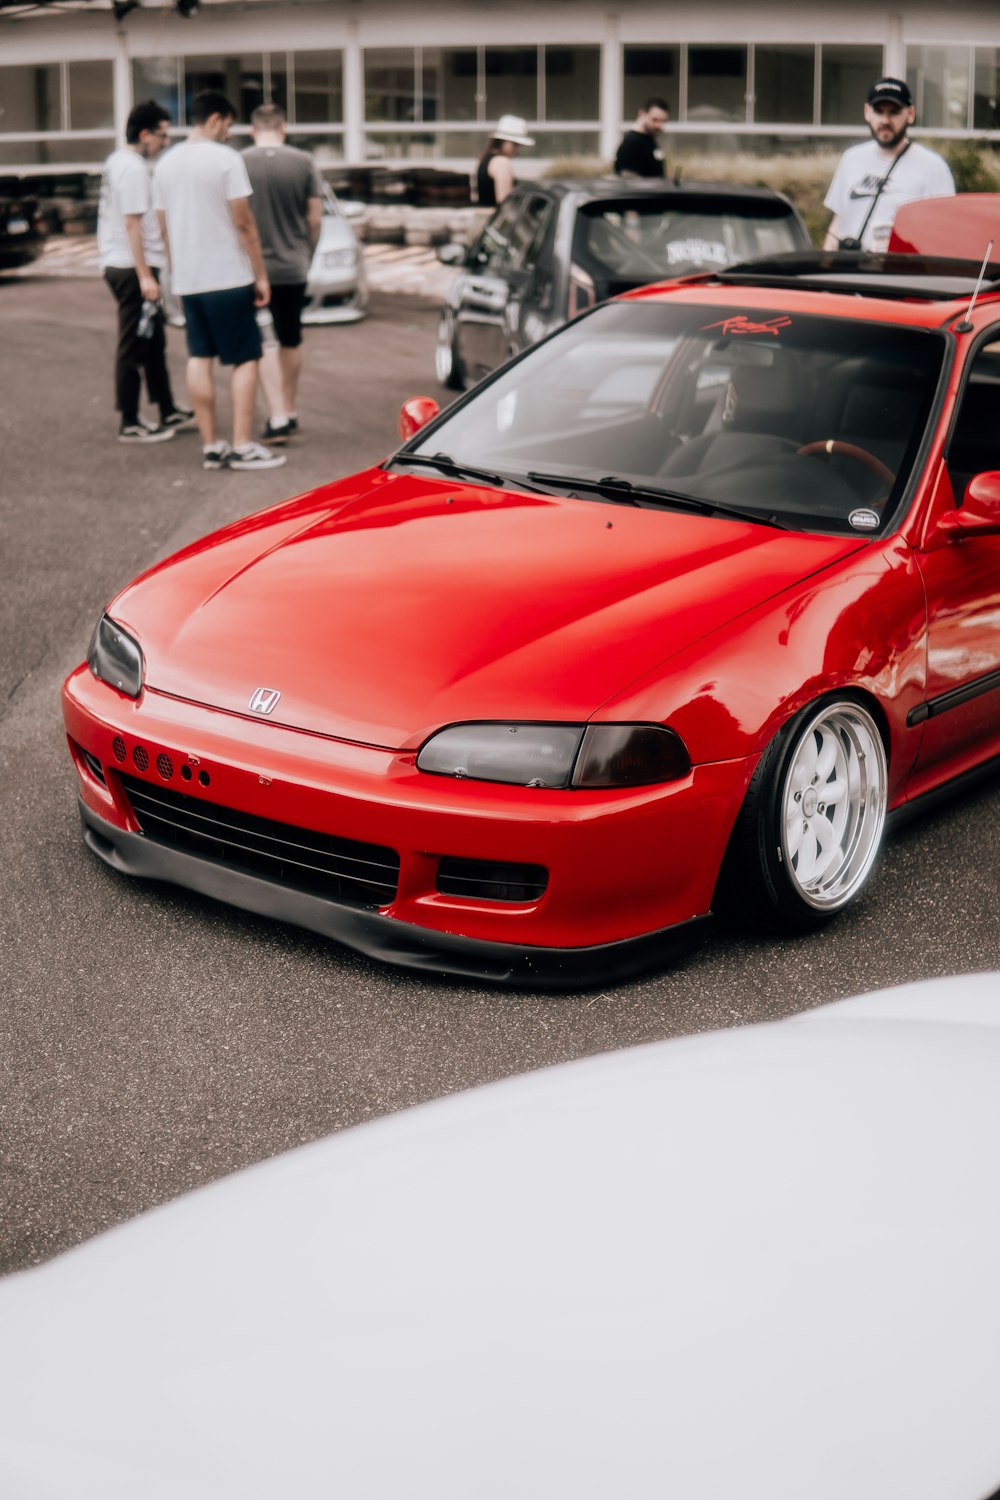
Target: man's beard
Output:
{"points": [[894, 139]]}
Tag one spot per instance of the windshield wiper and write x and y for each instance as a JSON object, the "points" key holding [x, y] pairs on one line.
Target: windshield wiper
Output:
{"points": [[613, 488], [447, 465]]}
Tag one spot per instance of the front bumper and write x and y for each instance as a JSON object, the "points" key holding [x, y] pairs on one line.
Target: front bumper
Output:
{"points": [[631, 873], [383, 937], [338, 295]]}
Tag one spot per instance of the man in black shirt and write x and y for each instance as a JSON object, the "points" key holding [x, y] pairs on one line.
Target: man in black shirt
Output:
{"points": [[639, 154]]}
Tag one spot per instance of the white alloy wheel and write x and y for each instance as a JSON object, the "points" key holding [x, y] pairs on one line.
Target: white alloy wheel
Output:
{"points": [[446, 365], [833, 802], [444, 357]]}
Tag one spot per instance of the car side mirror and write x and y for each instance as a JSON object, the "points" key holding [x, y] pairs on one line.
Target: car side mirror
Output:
{"points": [[980, 510], [453, 254], [416, 413]]}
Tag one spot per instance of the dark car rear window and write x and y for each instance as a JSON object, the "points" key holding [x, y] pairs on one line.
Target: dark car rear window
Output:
{"points": [[630, 241]]}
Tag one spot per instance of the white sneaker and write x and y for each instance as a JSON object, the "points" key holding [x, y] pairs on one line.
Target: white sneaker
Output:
{"points": [[255, 456], [217, 456], [141, 431]]}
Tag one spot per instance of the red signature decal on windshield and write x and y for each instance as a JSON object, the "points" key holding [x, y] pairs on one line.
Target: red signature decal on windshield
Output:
{"points": [[741, 324]]}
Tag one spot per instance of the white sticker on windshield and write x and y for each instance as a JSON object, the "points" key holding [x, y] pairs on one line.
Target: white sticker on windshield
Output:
{"points": [[864, 520], [697, 252]]}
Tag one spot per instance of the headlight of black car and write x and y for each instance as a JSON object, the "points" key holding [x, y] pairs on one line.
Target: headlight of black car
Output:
{"points": [[557, 755], [116, 658]]}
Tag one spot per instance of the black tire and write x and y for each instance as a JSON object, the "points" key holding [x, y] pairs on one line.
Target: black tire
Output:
{"points": [[809, 832], [446, 361]]}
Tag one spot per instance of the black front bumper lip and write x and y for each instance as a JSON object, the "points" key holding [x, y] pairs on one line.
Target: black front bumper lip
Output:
{"points": [[385, 938]]}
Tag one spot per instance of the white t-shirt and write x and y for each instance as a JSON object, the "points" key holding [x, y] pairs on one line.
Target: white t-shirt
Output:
{"points": [[127, 188], [918, 173], [193, 184]]}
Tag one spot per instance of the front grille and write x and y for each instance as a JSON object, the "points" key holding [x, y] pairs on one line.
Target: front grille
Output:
{"points": [[491, 880], [338, 869]]}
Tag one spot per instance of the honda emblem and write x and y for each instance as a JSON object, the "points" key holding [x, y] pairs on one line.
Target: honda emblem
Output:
{"points": [[264, 700]]}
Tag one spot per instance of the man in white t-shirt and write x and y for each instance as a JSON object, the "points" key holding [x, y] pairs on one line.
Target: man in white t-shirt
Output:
{"points": [[131, 254], [873, 180], [202, 191]]}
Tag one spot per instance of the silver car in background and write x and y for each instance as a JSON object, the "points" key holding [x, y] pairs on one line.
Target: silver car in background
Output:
{"points": [[337, 291]]}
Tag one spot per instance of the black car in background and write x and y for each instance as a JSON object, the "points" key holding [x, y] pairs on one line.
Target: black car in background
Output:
{"points": [[553, 248], [22, 232]]}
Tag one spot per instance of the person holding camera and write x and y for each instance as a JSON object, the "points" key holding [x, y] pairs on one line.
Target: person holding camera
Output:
{"points": [[874, 179]]}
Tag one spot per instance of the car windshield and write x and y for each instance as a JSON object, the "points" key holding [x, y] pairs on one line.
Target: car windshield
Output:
{"points": [[638, 240], [808, 422]]}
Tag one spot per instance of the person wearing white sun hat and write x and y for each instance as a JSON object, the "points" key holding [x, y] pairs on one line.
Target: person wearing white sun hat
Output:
{"points": [[494, 173]]}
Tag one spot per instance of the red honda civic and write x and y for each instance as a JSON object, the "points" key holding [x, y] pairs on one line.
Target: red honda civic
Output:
{"points": [[673, 610]]}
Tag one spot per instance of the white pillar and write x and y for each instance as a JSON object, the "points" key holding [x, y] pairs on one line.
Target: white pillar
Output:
{"points": [[354, 97], [612, 106], [895, 47], [121, 84]]}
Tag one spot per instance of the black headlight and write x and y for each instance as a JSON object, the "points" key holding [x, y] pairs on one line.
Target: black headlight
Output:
{"points": [[116, 658], [557, 755], [630, 755]]}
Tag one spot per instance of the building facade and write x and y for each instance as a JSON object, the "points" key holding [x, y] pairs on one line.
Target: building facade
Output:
{"points": [[392, 82]]}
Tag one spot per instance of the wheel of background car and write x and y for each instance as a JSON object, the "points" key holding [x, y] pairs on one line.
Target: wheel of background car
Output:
{"points": [[834, 448], [810, 828], [446, 362]]}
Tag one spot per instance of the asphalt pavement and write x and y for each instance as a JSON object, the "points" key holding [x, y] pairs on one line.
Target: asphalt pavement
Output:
{"points": [[151, 1041]]}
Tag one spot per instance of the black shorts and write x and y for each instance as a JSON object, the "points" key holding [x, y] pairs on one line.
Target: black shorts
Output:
{"points": [[222, 325], [287, 302]]}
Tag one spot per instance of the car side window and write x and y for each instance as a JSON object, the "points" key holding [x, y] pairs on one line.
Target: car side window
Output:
{"points": [[530, 230], [975, 441], [494, 246]]}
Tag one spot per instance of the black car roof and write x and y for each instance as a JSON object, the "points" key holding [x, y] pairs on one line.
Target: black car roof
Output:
{"points": [[930, 278]]}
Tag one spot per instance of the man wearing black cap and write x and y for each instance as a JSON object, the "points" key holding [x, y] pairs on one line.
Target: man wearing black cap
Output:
{"points": [[873, 180]]}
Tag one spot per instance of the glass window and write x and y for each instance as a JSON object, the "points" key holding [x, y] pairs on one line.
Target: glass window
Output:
{"points": [[649, 72], [939, 81], [599, 398], [157, 78], [846, 75], [783, 84], [572, 83], [241, 79], [562, 143], [390, 84], [411, 145], [91, 96], [319, 87], [494, 246], [325, 149], [512, 82], [31, 98], [450, 83], [986, 99], [61, 153], [974, 445], [464, 146], [717, 83], [633, 242], [530, 230]]}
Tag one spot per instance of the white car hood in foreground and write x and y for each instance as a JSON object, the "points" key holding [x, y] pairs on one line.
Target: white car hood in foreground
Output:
{"points": [[760, 1263]]}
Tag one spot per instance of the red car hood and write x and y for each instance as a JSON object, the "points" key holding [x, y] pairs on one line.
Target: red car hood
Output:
{"points": [[382, 611]]}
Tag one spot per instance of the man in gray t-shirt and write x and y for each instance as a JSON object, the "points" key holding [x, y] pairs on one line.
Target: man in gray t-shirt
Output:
{"points": [[287, 204]]}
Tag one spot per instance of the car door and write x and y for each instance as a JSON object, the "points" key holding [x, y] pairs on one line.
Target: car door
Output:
{"points": [[530, 273], [961, 712], [481, 313]]}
